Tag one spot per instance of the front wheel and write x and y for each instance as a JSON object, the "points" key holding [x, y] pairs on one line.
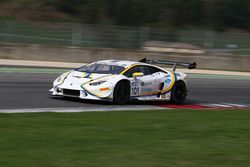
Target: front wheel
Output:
{"points": [[121, 93], [178, 92]]}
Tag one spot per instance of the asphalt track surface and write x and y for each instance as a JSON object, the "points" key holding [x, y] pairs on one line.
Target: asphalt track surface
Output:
{"points": [[29, 90]]}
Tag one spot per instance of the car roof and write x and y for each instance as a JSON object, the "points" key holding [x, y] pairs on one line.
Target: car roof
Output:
{"points": [[123, 63], [127, 64]]}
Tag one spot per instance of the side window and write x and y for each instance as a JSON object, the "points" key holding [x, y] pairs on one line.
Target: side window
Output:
{"points": [[149, 70], [131, 71], [146, 70], [154, 70]]}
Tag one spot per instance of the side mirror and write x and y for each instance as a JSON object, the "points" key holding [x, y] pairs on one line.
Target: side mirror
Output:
{"points": [[138, 74]]}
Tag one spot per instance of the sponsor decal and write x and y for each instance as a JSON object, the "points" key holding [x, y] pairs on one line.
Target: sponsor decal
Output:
{"points": [[146, 83], [135, 84], [168, 79], [146, 90], [104, 89]]}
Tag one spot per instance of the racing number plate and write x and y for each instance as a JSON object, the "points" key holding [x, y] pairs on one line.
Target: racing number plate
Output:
{"points": [[135, 89]]}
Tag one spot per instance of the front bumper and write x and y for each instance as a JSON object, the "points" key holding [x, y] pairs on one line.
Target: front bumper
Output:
{"points": [[82, 94], [76, 93]]}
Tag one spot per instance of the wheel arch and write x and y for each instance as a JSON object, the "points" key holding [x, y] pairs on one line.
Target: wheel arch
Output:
{"points": [[180, 80], [175, 98], [123, 80], [117, 98]]}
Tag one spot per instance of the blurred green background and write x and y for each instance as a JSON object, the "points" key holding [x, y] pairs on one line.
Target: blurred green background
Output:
{"points": [[214, 14], [220, 26]]}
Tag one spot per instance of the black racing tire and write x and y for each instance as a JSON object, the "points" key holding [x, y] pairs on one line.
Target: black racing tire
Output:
{"points": [[121, 94], [178, 92]]}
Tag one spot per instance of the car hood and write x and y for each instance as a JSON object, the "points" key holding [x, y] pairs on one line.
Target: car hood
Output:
{"points": [[83, 77]]}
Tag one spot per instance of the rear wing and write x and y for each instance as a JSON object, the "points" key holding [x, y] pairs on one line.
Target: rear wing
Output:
{"points": [[174, 63]]}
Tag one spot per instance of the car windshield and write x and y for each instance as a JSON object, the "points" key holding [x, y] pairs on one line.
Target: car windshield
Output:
{"points": [[101, 69]]}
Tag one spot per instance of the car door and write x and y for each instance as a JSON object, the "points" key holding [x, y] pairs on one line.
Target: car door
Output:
{"points": [[153, 79], [135, 82], [148, 84]]}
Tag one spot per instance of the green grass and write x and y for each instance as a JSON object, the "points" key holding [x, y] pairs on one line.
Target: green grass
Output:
{"points": [[126, 139]]}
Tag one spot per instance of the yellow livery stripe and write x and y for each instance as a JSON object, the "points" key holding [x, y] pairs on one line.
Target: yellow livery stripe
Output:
{"points": [[83, 74], [128, 68], [171, 85], [150, 93]]}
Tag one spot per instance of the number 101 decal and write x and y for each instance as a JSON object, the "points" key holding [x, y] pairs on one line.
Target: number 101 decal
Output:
{"points": [[135, 91]]}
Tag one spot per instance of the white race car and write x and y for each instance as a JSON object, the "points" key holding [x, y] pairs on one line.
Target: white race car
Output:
{"points": [[123, 81]]}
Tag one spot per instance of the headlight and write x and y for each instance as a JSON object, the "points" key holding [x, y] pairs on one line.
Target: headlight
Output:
{"points": [[97, 83]]}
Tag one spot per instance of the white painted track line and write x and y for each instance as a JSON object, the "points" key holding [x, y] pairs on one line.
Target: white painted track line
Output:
{"points": [[82, 109]]}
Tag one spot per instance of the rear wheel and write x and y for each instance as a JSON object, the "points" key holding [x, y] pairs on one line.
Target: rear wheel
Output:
{"points": [[178, 92], [121, 93]]}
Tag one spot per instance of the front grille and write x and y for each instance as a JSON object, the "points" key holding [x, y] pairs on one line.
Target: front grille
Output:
{"points": [[69, 92]]}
